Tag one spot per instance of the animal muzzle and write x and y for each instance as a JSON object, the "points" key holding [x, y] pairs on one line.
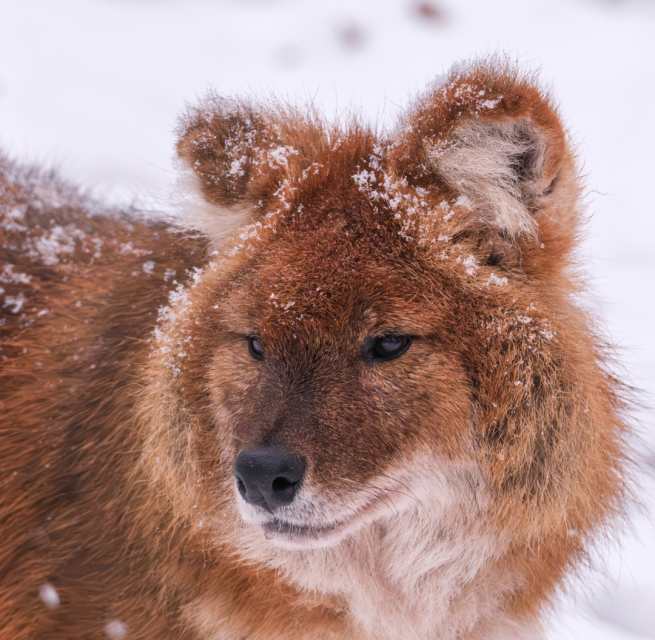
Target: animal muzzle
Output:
{"points": [[268, 478]]}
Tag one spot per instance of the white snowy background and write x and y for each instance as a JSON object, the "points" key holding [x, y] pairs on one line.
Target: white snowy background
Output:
{"points": [[94, 86]]}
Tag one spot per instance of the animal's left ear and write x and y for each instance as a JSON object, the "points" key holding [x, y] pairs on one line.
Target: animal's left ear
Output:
{"points": [[491, 135]]}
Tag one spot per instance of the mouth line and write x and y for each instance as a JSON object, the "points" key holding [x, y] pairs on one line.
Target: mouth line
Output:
{"points": [[280, 529], [298, 531]]}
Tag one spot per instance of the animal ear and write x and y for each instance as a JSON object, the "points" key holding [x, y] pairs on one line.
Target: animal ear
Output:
{"points": [[489, 134], [217, 140], [235, 154]]}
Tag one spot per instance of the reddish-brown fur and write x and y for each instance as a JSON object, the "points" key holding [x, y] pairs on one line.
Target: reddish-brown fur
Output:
{"points": [[119, 430]]}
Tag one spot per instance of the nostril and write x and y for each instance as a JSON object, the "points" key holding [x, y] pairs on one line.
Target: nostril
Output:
{"points": [[241, 487], [282, 485]]}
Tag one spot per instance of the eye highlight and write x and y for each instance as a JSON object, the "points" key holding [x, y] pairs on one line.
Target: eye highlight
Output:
{"points": [[256, 349], [390, 347]]}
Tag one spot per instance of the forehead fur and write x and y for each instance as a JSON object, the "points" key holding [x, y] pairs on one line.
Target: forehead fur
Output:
{"points": [[478, 170]]}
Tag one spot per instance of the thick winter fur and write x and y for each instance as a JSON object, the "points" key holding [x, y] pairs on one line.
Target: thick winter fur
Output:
{"points": [[448, 492]]}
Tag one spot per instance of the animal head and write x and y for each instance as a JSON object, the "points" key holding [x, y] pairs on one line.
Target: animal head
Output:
{"points": [[385, 321]]}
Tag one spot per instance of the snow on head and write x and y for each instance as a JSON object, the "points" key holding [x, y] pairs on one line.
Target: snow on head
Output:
{"points": [[9, 276], [439, 81], [14, 303], [172, 343], [115, 629], [495, 280], [236, 167], [463, 201], [12, 218], [49, 596], [471, 265], [56, 242], [279, 155]]}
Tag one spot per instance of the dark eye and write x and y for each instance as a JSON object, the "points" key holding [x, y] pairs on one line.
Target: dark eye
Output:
{"points": [[256, 349], [390, 347]]}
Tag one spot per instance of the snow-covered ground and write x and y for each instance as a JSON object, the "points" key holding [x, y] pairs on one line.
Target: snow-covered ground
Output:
{"points": [[94, 86]]}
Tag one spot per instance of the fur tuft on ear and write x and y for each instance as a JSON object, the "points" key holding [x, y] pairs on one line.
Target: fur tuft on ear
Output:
{"points": [[216, 146], [490, 134], [233, 157], [499, 164], [218, 140]]}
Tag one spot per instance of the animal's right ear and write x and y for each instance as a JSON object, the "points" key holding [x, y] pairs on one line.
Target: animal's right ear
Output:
{"points": [[234, 150]]}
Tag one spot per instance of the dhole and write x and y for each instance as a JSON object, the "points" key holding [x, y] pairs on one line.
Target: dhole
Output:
{"points": [[349, 393]]}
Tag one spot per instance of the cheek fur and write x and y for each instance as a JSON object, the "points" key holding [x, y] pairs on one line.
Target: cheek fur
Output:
{"points": [[232, 382]]}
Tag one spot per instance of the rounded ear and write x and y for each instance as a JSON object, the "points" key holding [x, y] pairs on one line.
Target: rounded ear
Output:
{"points": [[235, 155], [233, 149], [216, 142], [488, 133]]}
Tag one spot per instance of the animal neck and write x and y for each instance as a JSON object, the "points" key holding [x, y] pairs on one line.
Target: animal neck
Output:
{"points": [[405, 577]]}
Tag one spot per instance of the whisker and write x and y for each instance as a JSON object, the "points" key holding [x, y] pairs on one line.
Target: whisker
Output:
{"points": [[379, 466], [382, 492], [402, 484]]}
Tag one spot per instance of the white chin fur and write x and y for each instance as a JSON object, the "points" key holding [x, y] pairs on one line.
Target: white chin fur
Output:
{"points": [[429, 555]]}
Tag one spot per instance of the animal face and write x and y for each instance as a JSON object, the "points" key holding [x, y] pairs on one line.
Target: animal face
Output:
{"points": [[385, 319], [326, 389]]}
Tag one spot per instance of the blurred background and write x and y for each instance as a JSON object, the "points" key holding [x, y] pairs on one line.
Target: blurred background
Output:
{"points": [[93, 87]]}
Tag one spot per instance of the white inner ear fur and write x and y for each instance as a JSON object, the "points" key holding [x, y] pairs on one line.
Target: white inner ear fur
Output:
{"points": [[497, 165], [195, 213]]}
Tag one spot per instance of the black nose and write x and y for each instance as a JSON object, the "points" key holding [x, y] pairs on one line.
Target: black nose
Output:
{"points": [[268, 478]]}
